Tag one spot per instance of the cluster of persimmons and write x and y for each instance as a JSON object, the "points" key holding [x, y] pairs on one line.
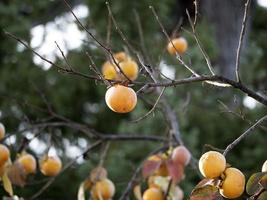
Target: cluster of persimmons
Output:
{"points": [[25, 163], [120, 98]]}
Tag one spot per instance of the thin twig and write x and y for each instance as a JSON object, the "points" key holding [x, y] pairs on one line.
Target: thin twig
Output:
{"points": [[204, 53], [243, 135], [152, 109], [64, 57], [240, 42], [108, 50]]}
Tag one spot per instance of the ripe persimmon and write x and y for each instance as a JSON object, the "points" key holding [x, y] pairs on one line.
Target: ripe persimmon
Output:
{"points": [[212, 164], [264, 167], [178, 45], [181, 155], [28, 163], [109, 71], [120, 56], [4, 154], [103, 190], [50, 165], [121, 99], [153, 194], [2, 131], [129, 68], [233, 184]]}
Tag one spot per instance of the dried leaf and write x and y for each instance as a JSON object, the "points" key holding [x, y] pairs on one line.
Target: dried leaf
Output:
{"points": [[208, 192], [253, 185], [263, 196], [17, 174], [176, 170], [81, 193], [7, 184], [149, 167], [137, 192]]}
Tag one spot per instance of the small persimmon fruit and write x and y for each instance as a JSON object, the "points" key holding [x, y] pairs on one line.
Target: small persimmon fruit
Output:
{"points": [[2, 131], [233, 184], [4, 154], [264, 167], [103, 190], [120, 56], [178, 45], [28, 163], [121, 99], [50, 165], [181, 155], [129, 68], [212, 164], [109, 71], [153, 194]]}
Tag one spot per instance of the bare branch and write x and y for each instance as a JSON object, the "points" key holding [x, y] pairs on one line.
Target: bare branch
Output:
{"points": [[152, 109], [242, 33], [243, 135]]}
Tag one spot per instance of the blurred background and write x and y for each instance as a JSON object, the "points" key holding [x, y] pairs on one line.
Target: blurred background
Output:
{"points": [[200, 108]]}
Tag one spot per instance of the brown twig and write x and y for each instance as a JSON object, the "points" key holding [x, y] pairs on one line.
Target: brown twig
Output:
{"points": [[243, 135], [240, 42], [152, 109]]}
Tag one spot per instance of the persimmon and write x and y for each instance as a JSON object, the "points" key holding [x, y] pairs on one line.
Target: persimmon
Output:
{"points": [[120, 56], [4, 154], [153, 194], [212, 164], [103, 190], [28, 163], [181, 155], [233, 184], [109, 71], [121, 99], [2, 131], [264, 167], [178, 45], [129, 68], [50, 165]]}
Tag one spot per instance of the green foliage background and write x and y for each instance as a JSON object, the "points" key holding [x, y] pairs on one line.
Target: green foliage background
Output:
{"points": [[202, 121]]}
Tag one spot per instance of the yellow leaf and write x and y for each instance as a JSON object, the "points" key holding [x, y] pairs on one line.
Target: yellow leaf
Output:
{"points": [[7, 184], [81, 195]]}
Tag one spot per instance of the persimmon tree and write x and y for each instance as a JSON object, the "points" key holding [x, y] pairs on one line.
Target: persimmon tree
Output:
{"points": [[130, 76]]}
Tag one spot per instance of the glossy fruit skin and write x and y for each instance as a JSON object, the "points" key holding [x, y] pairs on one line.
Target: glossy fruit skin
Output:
{"points": [[28, 163], [109, 71], [104, 188], [51, 166], [129, 68], [178, 45], [233, 184], [181, 155], [4, 154], [212, 164], [2, 131], [264, 167], [153, 194], [121, 99]]}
